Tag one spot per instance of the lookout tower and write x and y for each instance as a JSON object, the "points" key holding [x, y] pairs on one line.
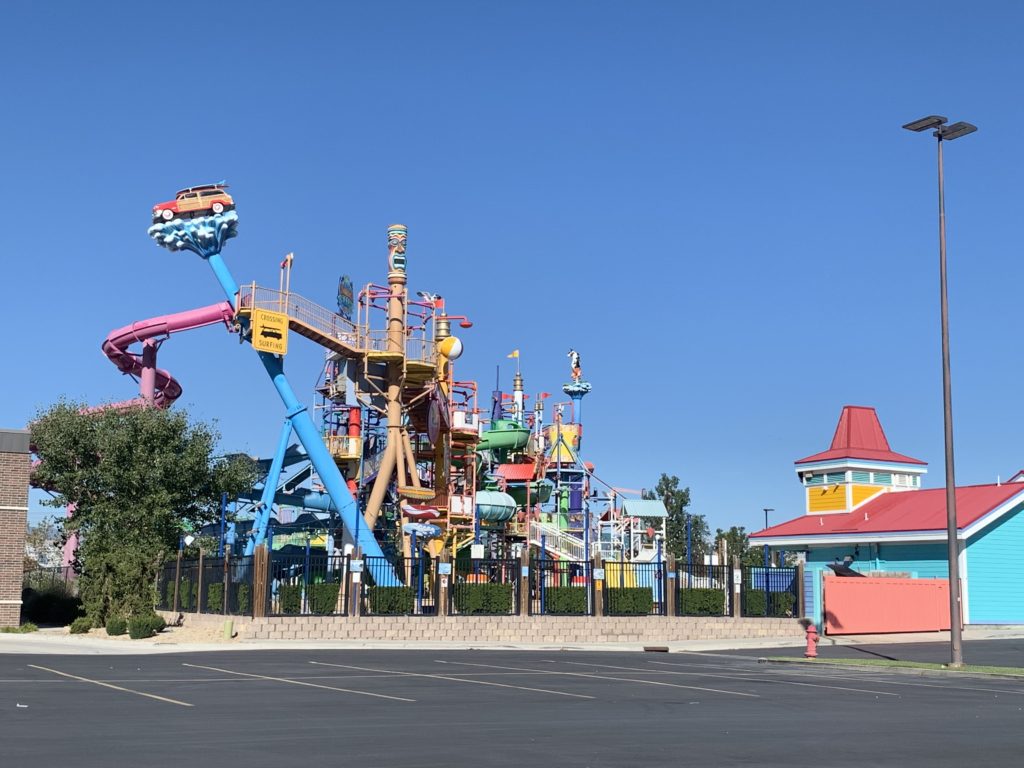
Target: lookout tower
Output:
{"points": [[858, 466]]}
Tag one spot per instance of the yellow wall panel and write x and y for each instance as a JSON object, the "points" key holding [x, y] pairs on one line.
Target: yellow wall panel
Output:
{"points": [[863, 492], [827, 498]]}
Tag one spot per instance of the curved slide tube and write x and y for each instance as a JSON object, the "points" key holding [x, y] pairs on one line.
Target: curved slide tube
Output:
{"points": [[158, 386]]}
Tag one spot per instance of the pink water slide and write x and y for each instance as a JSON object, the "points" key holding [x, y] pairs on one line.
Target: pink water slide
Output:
{"points": [[156, 386]]}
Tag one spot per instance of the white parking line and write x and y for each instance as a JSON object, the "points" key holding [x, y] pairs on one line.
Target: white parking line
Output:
{"points": [[604, 677], [114, 687], [772, 679], [454, 679], [300, 682]]}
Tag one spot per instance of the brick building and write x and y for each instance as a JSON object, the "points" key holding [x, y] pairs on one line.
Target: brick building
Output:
{"points": [[15, 465]]}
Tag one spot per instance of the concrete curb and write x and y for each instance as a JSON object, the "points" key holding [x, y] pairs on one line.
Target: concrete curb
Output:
{"points": [[73, 645]]}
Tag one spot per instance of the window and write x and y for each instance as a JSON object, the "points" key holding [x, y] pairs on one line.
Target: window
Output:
{"points": [[835, 477], [211, 192], [859, 476], [189, 196], [815, 479], [883, 478]]}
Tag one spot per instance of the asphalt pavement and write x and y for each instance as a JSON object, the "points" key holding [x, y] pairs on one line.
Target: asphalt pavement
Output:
{"points": [[492, 708]]}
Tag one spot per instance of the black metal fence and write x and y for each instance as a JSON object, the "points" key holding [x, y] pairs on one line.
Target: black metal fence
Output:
{"points": [[220, 585], [484, 587], [308, 583], [704, 590], [403, 587], [61, 578], [561, 588], [769, 592], [317, 583], [635, 589]]}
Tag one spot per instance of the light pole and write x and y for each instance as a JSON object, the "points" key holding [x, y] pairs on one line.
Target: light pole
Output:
{"points": [[766, 511], [943, 132]]}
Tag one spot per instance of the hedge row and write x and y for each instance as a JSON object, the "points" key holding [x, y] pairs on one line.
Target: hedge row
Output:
{"points": [[702, 602], [565, 601], [780, 604], [629, 601], [481, 599]]}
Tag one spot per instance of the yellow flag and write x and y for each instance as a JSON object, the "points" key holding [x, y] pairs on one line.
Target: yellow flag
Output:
{"points": [[515, 353]]}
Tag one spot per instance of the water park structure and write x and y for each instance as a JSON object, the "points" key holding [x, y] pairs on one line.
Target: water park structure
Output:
{"points": [[396, 458]]}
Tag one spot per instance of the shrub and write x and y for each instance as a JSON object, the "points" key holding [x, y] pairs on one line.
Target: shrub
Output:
{"points": [[323, 598], [81, 625], [290, 598], [145, 625], [629, 601], [186, 594], [215, 597], [391, 601], [701, 602], [244, 596], [53, 605], [483, 598], [116, 625], [780, 604], [565, 601], [22, 629]]}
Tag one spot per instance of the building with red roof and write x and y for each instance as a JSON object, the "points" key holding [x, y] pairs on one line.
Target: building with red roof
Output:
{"points": [[864, 507]]}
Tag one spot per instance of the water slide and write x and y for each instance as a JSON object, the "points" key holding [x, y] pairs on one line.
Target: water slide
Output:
{"points": [[157, 386]]}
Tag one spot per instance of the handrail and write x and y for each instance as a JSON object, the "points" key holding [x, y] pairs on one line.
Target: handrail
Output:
{"points": [[330, 324]]}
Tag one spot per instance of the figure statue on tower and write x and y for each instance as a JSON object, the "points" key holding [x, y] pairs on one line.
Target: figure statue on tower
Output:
{"points": [[574, 364]]}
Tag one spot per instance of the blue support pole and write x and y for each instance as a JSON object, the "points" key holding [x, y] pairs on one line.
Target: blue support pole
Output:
{"points": [[661, 577], [263, 509], [308, 435]]}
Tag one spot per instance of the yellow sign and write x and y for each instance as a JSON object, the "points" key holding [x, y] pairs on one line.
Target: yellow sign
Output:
{"points": [[270, 331]]}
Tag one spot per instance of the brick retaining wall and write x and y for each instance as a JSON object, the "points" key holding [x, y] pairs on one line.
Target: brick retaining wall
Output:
{"points": [[569, 630]]}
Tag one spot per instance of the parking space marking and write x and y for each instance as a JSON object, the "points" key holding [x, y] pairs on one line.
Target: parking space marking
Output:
{"points": [[605, 677], [299, 682], [114, 687], [456, 679], [772, 678]]}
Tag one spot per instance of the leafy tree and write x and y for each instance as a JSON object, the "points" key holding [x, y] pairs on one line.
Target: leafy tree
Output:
{"points": [[138, 477], [677, 503], [737, 544]]}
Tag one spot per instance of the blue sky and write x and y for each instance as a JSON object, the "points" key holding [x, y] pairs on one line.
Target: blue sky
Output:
{"points": [[714, 203]]}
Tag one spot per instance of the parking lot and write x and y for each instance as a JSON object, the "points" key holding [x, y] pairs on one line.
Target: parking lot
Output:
{"points": [[492, 708]]}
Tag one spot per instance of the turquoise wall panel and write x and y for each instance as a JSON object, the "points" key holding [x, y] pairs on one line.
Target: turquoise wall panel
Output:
{"points": [[995, 572]]}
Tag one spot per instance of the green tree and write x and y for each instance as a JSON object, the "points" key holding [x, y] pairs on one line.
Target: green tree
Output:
{"points": [[677, 503], [737, 544], [138, 477]]}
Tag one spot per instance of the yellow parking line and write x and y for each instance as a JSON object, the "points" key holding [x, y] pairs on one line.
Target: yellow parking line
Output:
{"points": [[114, 687]]}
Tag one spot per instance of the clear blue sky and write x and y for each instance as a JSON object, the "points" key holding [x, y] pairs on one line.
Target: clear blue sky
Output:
{"points": [[714, 203]]}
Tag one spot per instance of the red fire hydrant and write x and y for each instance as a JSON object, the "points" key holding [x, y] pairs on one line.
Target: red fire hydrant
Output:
{"points": [[812, 642]]}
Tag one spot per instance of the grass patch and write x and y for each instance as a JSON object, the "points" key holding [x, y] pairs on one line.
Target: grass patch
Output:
{"points": [[25, 628], [896, 664]]}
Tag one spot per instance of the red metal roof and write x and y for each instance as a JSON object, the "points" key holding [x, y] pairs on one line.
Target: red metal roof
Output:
{"points": [[516, 472], [901, 511], [859, 435]]}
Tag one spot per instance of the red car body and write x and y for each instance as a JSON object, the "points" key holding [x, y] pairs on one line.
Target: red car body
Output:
{"points": [[195, 201]]}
